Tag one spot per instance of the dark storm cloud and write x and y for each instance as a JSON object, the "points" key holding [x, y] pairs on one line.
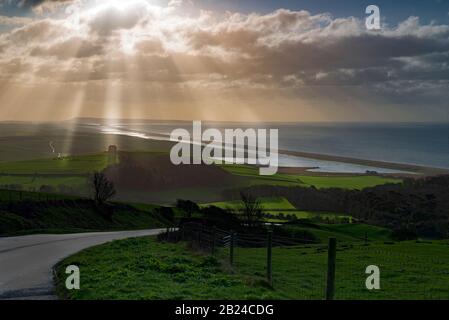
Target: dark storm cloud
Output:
{"points": [[30, 3], [292, 58], [34, 3], [283, 49]]}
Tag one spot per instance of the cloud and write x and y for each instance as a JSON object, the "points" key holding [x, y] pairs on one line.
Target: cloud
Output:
{"points": [[112, 18], [277, 45], [14, 21], [293, 53], [39, 7], [35, 33], [35, 3], [74, 47]]}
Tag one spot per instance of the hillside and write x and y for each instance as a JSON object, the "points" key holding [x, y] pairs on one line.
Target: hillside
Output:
{"points": [[157, 271], [39, 213]]}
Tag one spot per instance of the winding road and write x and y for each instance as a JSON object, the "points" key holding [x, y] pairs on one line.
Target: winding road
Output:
{"points": [[26, 262]]}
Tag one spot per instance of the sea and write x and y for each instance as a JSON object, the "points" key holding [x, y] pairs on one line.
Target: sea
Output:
{"points": [[424, 144]]}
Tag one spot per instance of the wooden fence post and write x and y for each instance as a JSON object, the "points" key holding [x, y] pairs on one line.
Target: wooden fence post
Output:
{"points": [[331, 257], [231, 248], [269, 257]]}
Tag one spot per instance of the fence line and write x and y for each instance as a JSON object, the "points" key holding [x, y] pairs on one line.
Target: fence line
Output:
{"points": [[325, 270]]}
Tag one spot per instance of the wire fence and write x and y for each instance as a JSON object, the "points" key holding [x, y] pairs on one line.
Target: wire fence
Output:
{"points": [[18, 196], [402, 275], [302, 269]]}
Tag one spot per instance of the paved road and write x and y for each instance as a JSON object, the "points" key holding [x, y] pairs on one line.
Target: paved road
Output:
{"points": [[26, 262]]}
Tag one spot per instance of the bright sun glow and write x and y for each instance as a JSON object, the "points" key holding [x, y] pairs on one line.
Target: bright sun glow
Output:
{"points": [[188, 59], [119, 4]]}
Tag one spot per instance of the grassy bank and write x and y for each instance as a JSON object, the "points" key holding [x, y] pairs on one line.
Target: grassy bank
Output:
{"points": [[146, 269], [29, 212]]}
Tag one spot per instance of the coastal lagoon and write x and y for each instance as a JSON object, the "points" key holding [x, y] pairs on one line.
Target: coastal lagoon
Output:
{"points": [[404, 143]]}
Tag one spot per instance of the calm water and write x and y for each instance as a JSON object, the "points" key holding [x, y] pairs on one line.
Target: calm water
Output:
{"points": [[422, 144], [409, 143]]}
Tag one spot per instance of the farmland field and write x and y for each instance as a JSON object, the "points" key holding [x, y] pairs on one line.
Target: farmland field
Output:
{"points": [[152, 270], [267, 203], [344, 233], [68, 175], [277, 206], [300, 214], [34, 182], [71, 165], [319, 181]]}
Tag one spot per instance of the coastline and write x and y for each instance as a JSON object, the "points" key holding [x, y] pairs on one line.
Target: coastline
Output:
{"points": [[416, 169]]}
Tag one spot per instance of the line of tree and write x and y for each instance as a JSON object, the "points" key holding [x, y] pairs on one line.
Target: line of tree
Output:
{"points": [[417, 205], [248, 216]]}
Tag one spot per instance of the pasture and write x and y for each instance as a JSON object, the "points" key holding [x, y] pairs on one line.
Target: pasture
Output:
{"points": [[148, 269], [318, 181]]}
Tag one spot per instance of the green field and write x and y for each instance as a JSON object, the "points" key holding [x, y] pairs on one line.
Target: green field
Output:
{"points": [[279, 205], [344, 233], [69, 175], [319, 181], [10, 195], [71, 165], [146, 269], [35, 182], [55, 173], [310, 214], [351, 182]]}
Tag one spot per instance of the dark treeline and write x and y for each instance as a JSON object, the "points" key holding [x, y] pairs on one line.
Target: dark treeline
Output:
{"points": [[417, 205]]}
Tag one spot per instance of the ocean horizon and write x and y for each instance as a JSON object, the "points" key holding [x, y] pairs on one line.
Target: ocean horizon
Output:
{"points": [[422, 144]]}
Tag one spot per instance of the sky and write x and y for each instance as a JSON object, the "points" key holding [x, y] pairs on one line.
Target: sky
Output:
{"points": [[246, 60]]}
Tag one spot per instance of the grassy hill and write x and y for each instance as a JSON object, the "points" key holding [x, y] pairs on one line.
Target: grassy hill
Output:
{"points": [[344, 233], [146, 269], [73, 165], [68, 175], [29, 212], [139, 172]]}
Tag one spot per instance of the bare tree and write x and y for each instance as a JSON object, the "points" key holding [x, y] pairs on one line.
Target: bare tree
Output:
{"points": [[252, 209], [103, 188]]}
